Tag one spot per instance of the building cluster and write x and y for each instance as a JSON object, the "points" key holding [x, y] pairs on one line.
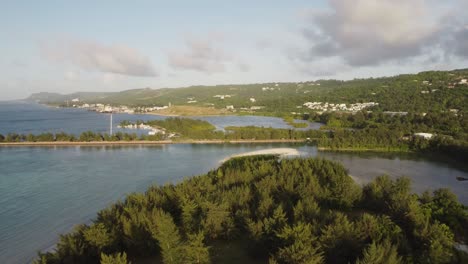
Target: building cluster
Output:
{"points": [[329, 107], [136, 126], [222, 96], [266, 88], [151, 130], [431, 91], [245, 109], [105, 108], [462, 81]]}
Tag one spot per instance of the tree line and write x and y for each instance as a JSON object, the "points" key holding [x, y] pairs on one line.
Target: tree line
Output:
{"points": [[87, 136], [360, 132]]}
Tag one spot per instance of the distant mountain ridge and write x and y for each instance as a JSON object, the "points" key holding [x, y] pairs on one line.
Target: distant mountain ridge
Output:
{"points": [[46, 97]]}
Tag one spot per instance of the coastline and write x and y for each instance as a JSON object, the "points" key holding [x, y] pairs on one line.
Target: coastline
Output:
{"points": [[282, 152], [130, 143], [184, 115], [363, 150]]}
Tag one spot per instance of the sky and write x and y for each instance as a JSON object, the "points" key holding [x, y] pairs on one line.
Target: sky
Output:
{"points": [[70, 46]]}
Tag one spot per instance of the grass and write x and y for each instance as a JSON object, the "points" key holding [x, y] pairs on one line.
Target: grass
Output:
{"points": [[186, 110]]}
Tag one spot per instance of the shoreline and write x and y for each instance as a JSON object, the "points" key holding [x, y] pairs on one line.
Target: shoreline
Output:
{"points": [[132, 143], [282, 152], [363, 150]]}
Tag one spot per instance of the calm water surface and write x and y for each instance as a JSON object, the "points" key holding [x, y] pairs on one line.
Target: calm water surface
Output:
{"points": [[25, 118], [45, 191]]}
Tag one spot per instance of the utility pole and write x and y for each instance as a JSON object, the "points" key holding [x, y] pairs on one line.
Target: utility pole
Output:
{"points": [[111, 124]]}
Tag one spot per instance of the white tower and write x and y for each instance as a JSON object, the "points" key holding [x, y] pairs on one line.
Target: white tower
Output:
{"points": [[110, 124]]}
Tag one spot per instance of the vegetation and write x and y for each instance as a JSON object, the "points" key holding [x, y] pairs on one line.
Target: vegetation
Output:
{"points": [[265, 210], [379, 131], [187, 110], [453, 125], [87, 136], [398, 93], [357, 132], [188, 128], [430, 102], [291, 122]]}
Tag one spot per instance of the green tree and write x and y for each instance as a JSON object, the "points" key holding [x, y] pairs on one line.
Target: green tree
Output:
{"points": [[118, 258], [380, 253], [98, 236], [299, 245], [196, 251], [167, 234]]}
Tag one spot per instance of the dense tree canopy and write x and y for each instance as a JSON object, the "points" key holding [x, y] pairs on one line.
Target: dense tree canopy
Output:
{"points": [[286, 211]]}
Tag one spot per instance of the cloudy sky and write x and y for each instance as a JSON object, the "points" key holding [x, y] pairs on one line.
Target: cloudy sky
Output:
{"points": [[68, 46]]}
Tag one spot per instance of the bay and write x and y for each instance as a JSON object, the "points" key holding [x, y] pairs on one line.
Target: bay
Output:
{"points": [[25, 118], [45, 191]]}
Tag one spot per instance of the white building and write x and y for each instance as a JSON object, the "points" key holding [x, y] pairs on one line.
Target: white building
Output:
{"points": [[76, 100], [256, 107], [267, 89], [424, 135], [222, 96], [230, 107], [108, 109], [252, 100]]}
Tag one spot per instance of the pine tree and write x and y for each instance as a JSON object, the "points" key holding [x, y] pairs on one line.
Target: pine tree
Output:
{"points": [[300, 245], [119, 258], [382, 253], [196, 251], [167, 234]]}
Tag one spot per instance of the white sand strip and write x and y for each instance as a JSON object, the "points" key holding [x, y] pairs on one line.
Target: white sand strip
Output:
{"points": [[282, 152]]}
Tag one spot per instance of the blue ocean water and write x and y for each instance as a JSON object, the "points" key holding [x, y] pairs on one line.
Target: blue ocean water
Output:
{"points": [[45, 191], [25, 118]]}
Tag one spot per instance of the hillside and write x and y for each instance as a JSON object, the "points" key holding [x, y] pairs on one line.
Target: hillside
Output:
{"points": [[422, 92]]}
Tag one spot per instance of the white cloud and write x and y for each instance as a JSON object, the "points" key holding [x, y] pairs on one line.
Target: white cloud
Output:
{"points": [[366, 37], [92, 56], [243, 67], [202, 54], [368, 32], [71, 75]]}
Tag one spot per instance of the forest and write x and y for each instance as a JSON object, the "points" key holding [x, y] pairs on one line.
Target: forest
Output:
{"points": [[260, 209]]}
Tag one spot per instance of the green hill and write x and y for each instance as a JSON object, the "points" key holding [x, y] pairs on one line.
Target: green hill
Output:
{"points": [[422, 92]]}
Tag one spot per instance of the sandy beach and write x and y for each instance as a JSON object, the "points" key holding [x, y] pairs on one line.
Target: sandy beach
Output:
{"points": [[282, 152]]}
